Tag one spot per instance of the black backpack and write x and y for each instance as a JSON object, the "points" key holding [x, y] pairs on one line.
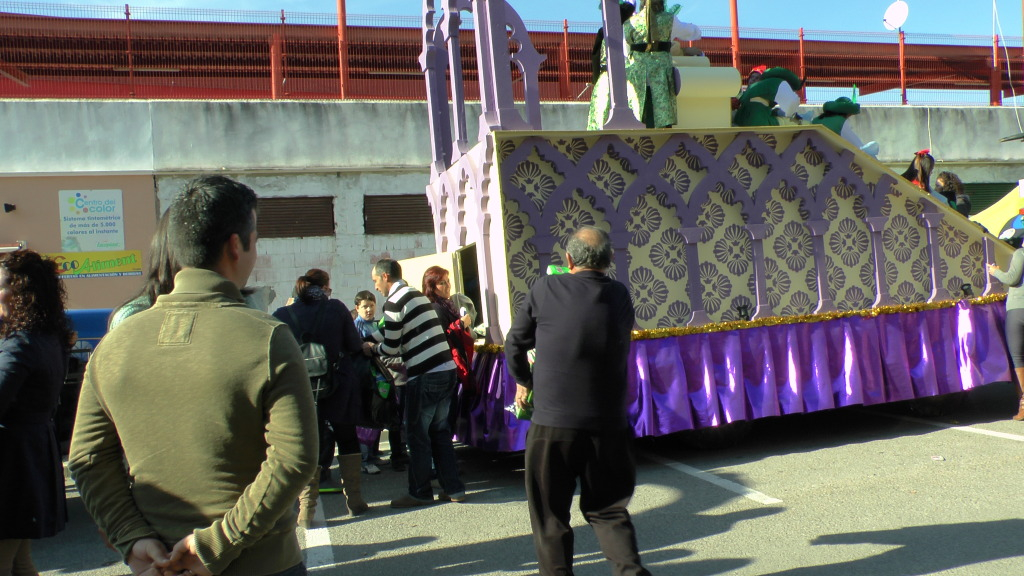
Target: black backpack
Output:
{"points": [[318, 364]]}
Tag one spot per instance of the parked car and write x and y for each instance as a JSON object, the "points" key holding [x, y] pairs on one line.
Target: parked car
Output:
{"points": [[91, 326]]}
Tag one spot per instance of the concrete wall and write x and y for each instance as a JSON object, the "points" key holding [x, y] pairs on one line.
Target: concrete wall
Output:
{"points": [[341, 149]]}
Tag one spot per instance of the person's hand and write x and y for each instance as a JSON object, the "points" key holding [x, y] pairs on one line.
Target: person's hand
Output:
{"points": [[521, 392], [184, 560], [992, 268], [467, 321], [367, 349], [145, 553]]}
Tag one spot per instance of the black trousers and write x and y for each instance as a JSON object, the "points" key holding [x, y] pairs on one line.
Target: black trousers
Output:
{"points": [[605, 465]]}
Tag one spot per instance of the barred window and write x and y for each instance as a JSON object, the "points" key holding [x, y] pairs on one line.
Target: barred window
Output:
{"points": [[297, 217], [397, 214]]}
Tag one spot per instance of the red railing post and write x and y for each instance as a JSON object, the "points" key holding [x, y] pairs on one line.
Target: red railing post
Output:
{"points": [[283, 51], [563, 80], [734, 17], [903, 66], [995, 80], [276, 68], [131, 63], [342, 51], [803, 69]]}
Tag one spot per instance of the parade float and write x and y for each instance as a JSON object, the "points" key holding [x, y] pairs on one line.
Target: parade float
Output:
{"points": [[774, 270]]}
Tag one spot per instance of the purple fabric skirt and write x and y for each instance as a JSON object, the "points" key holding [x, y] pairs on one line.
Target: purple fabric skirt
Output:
{"points": [[708, 379]]}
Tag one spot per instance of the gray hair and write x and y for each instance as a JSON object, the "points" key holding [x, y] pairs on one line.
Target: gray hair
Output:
{"points": [[590, 248]]}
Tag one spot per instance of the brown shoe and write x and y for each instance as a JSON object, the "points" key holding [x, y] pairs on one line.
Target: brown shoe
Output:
{"points": [[409, 501], [457, 497]]}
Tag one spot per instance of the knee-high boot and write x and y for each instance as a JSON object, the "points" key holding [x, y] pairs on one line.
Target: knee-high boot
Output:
{"points": [[351, 468], [1019, 373], [308, 499]]}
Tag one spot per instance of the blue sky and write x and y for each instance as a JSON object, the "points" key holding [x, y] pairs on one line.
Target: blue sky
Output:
{"points": [[972, 17]]}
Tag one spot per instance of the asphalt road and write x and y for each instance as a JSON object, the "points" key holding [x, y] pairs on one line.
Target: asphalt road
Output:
{"points": [[892, 490]]}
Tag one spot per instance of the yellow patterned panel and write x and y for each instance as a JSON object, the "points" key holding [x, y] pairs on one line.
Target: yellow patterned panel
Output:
{"points": [[523, 267], [683, 172], [747, 182], [646, 146], [537, 178], [905, 242], [811, 166], [726, 268], [571, 214], [792, 282], [962, 251], [849, 263], [749, 168], [657, 263], [612, 174], [779, 142], [574, 148]]}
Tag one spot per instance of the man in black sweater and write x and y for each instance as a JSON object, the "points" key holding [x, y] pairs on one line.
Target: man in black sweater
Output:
{"points": [[579, 323]]}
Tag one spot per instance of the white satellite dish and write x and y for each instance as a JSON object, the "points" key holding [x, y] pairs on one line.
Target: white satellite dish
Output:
{"points": [[896, 15]]}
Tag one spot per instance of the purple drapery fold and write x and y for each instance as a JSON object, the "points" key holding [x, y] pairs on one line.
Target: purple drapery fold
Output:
{"points": [[702, 380]]}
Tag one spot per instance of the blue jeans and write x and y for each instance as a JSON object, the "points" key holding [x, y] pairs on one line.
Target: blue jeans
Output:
{"points": [[427, 400]]}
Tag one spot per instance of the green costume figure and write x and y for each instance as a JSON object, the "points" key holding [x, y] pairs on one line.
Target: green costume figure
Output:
{"points": [[834, 117], [835, 112], [648, 34], [777, 87]]}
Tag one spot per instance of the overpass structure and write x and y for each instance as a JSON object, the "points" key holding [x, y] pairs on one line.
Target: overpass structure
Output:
{"points": [[152, 53]]}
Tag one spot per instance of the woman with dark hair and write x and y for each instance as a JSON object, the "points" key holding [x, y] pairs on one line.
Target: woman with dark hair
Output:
{"points": [[329, 322], [952, 189], [920, 170], [159, 278], [35, 340], [437, 287]]}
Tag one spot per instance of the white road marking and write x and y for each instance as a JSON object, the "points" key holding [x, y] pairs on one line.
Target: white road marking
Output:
{"points": [[319, 550], [971, 429], [711, 478]]}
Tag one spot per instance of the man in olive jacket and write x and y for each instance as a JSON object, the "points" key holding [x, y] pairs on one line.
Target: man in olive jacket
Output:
{"points": [[209, 405]]}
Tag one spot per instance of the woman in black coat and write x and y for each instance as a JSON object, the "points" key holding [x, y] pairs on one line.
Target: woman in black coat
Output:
{"points": [[339, 412], [35, 339]]}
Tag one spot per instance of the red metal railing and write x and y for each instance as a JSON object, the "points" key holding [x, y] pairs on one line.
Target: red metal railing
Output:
{"points": [[59, 51]]}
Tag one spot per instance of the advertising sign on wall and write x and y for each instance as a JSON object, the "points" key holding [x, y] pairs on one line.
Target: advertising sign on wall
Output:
{"points": [[91, 220], [98, 264]]}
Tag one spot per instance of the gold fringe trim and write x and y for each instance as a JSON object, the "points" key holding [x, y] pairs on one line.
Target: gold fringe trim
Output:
{"points": [[784, 320]]}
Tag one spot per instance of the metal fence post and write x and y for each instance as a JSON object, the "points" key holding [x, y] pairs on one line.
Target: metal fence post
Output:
{"points": [[276, 70], [803, 70], [131, 63], [903, 66], [342, 51], [995, 82], [734, 18], [563, 81]]}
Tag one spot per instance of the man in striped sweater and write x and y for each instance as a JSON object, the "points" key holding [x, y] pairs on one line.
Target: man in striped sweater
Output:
{"points": [[413, 331]]}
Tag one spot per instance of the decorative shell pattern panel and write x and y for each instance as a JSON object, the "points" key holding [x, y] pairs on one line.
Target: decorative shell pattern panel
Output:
{"points": [[732, 222]]}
